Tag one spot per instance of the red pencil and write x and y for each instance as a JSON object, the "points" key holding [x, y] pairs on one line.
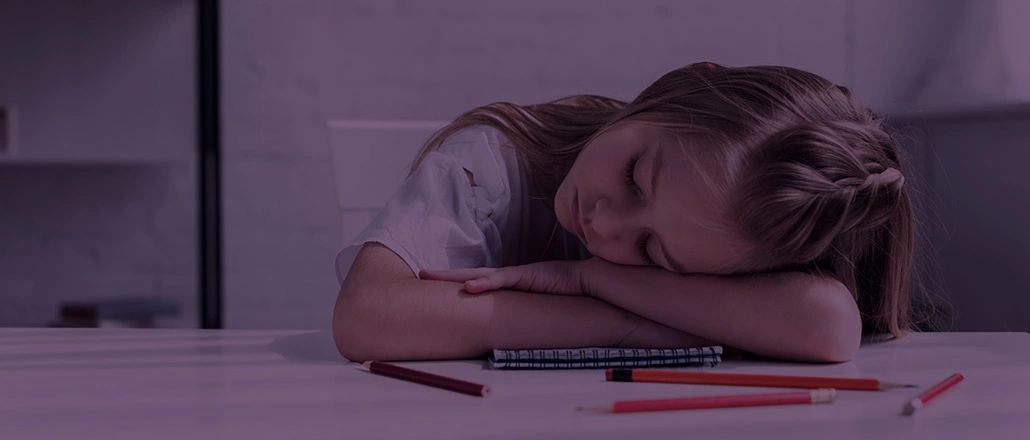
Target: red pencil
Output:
{"points": [[825, 395], [915, 404], [755, 380], [424, 378]]}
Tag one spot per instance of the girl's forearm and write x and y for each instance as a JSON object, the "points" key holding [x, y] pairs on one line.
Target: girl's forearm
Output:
{"points": [[421, 320], [650, 334], [530, 320], [383, 312], [786, 315]]}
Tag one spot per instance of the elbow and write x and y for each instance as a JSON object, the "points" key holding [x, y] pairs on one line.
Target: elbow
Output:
{"points": [[836, 348], [837, 332], [350, 346], [349, 320]]}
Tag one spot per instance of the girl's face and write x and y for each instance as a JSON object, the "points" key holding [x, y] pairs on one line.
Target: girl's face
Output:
{"points": [[633, 197]]}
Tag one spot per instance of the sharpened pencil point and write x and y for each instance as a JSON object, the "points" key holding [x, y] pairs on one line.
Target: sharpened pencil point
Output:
{"points": [[890, 385]]}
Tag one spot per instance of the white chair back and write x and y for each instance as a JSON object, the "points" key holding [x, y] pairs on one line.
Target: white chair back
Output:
{"points": [[370, 160]]}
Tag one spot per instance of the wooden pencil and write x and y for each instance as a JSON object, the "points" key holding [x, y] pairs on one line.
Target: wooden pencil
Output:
{"points": [[706, 402], [917, 403], [422, 377], [755, 380]]}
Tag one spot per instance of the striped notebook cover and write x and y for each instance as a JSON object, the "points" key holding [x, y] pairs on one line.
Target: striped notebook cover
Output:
{"points": [[606, 357]]}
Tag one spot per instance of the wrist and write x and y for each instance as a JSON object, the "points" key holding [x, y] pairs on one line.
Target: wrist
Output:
{"points": [[591, 276], [630, 327]]}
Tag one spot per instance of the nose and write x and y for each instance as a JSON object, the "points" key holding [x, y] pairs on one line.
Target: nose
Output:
{"points": [[609, 222]]}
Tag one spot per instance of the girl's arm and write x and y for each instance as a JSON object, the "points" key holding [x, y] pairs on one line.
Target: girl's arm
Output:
{"points": [[789, 315], [383, 312]]}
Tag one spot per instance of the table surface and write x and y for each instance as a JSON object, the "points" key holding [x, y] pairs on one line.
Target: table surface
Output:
{"points": [[156, 384]]}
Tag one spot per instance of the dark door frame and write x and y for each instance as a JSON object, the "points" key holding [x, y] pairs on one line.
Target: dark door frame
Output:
{"points": [[209, 164]]}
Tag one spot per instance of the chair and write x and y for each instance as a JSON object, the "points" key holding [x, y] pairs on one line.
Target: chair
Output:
{"points": [[370, 160]]}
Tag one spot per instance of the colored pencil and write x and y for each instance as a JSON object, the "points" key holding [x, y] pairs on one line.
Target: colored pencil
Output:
{"points": [[825, 395], [915, 404], [754, 380], [425, 378]]}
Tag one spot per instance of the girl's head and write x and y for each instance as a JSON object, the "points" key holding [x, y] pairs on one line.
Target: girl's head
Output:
{"points": [[726, 170]]}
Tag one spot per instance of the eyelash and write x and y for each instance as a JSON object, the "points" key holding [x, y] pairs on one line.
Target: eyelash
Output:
{"points": [[642, 248], [630, 181]]}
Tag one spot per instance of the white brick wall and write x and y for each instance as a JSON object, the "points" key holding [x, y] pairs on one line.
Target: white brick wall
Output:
{"points": [[82, 232], [290, 66]]}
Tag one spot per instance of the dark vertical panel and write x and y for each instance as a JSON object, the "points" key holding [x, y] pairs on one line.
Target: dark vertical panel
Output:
{"points": [[209, 160]]}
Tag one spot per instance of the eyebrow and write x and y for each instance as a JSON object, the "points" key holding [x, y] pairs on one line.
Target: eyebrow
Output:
{"points": [[655, 170]]}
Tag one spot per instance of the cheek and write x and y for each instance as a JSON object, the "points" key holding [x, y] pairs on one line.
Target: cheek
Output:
{"points": [[615, 252], [593, 172], [567, 183]]}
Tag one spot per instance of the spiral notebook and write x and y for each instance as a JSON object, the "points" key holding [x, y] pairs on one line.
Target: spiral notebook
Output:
{"points": [[606, 357]]}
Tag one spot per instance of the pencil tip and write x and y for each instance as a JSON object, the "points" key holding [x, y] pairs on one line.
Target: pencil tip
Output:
{"points": [[890, 385]]}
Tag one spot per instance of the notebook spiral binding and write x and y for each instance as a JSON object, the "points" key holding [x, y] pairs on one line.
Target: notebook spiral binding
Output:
{"points": [[606, 357]]}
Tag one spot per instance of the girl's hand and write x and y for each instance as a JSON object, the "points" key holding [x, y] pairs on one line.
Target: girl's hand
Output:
{"points": [[554, 277]]}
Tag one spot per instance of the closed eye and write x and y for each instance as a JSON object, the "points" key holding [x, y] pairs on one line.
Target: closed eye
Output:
{"points": [[642, 250], [631, 181]]}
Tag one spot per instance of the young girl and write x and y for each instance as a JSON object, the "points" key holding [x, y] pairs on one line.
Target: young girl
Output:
{"points": [[759, 208]]}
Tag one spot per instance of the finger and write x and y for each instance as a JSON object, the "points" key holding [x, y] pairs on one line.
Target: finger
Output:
{"points": [[498, 279], [456, 275], [475, 286], [480, 285]]}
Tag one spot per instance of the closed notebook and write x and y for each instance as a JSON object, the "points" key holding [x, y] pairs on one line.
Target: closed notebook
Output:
{"points": [[606, 357]]}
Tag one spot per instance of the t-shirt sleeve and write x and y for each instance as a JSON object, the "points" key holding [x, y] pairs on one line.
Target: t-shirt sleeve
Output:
{"points": [[437, 219]]}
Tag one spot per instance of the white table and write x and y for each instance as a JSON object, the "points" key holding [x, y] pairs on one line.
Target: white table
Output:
{"points": [[239, 384]]}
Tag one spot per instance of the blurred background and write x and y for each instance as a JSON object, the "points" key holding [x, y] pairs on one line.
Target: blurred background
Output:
{"points": [[100, 112]]}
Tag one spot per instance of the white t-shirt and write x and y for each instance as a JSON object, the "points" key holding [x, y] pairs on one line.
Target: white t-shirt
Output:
{"points": [[438, 220]]}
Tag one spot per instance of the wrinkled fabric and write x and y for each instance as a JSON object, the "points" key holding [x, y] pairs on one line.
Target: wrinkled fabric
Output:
{"points": [[438, 220]]}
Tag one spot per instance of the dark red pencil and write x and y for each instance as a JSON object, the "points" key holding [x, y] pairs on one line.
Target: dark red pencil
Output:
{"points": [[424, 378]]}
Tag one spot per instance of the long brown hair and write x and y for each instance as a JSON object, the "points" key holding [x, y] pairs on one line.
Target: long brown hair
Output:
{"points": [[547, 137], [810, 178]]}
